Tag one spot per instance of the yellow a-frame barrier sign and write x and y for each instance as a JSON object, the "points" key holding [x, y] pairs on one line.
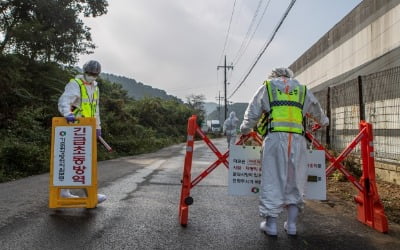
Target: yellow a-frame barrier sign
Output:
{"points": [[73, 162]]}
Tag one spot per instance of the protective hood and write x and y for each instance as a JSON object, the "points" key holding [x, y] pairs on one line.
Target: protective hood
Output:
{"points": [[282, 83]]}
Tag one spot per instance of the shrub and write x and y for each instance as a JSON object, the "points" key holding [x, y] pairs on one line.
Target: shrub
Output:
{"points": [[20, 159]]}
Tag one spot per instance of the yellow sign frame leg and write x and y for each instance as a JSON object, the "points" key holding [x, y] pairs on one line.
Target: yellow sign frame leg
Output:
{"points": [[61, 162]]}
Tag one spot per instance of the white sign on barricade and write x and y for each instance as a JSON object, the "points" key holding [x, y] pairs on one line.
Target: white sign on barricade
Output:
{"points": [[244, 176], [72, 156], [244, 170], [316, 177]]}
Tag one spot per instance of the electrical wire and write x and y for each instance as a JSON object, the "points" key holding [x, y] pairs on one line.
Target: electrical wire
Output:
{"points": [[265, 46], [239, 56], [242, 45], [227, 33]]}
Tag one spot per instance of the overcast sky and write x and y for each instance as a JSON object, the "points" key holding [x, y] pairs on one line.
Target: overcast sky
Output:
{"points": [[176, 45]]}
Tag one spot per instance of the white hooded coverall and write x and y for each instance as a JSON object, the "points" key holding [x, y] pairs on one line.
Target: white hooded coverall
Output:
{"points": [[229, 127], [283, 154], [72, 97]]}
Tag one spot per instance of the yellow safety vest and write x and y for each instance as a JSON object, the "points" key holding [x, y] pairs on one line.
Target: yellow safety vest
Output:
{"points": [[88, 105], [286, 113]]}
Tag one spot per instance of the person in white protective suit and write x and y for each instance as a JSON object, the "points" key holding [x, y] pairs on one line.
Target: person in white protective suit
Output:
{"points": [[229, 128], [81, 99], [284, 147]]}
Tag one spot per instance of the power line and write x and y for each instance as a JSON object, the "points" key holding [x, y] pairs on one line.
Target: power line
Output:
{"points": [[242, 45], [227, 33], [266, 46], [237, 58]]}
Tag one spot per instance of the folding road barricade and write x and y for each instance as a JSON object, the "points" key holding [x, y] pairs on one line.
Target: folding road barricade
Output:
{"points": [[370, 210], [73, 162], [187, 183]]}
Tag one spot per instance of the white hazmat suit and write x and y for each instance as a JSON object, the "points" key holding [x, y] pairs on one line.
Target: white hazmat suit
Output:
{"points": [[71, 98], [283, 154], [229, 127]]}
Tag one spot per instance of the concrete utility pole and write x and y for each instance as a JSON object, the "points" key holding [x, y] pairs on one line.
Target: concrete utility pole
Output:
{"points": [[219, 98], [225, 97]]}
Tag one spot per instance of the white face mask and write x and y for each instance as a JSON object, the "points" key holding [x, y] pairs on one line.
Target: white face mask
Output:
{"points": [[90, 79]]}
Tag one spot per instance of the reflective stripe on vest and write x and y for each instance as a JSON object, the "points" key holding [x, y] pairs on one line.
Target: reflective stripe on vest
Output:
{"points": [[262, 124], [88, 105], [286, 109]]}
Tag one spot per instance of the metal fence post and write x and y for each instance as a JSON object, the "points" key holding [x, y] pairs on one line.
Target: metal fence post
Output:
{"points": [[360, 96], [328, 113]]}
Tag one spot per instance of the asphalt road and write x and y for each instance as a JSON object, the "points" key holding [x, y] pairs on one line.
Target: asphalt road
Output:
{"points": [[142, 213]]}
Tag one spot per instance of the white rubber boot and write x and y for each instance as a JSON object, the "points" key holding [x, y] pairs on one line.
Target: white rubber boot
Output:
{"points": [[101, 198], [65, 193], [269, 226], [290, 224]]}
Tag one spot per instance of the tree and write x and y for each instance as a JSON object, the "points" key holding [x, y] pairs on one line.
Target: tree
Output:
{"points": [[48, 30], [196, 102]]}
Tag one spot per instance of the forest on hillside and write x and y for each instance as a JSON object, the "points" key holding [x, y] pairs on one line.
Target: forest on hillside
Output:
{"points": [[39, 44], [136, 89]]}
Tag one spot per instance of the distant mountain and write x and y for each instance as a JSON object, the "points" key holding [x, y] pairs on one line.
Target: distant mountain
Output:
{"points": [[210, 107], [239, 109], [138, 90]]}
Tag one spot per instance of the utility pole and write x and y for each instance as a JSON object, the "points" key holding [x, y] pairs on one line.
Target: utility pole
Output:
{"points": [[219, 98], [225, 98]]}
